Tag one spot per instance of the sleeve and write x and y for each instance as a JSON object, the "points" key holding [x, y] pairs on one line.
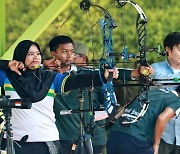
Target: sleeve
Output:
{"points": [[163, 72], [64, 82], [4, 64], [82, 81], [124, 74], [174, 103], [98, 97], [83, 70], [59, 82], [2, 78]]}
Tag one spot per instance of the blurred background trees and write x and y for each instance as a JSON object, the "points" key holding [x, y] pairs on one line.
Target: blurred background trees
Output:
{"points": [[83, 26]]}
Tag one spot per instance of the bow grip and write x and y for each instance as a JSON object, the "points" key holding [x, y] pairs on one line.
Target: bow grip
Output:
{"points": [[110, 77]]}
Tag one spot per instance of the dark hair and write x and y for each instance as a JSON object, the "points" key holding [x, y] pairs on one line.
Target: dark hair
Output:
{"points": [[171, 40], [57, 40], [21, 50]]}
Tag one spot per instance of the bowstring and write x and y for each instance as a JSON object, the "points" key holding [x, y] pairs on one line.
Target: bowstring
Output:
{"points": [[43, 86], [48, 90], [92, 49], [124, 46], [142, 16], [90, 34]]}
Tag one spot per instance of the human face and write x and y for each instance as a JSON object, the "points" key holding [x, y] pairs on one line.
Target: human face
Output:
{"points": [[64, 53], [174, 56], [33, 58], [79, 59]]}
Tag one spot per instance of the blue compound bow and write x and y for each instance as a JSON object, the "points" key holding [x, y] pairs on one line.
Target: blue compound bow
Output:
{"points": [[106, 61]]}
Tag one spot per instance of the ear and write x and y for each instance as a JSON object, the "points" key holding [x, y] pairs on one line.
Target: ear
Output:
{"points": [[53, 54], [169, 51]]}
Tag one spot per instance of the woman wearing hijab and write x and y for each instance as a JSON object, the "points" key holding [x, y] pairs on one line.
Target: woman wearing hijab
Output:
{"points": [[37, 125]]}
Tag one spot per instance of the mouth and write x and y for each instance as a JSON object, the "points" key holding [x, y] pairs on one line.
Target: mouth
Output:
{"points": [[35, 64], [68, 61]]}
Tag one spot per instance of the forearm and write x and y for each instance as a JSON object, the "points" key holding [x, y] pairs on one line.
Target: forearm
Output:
{"points": [[4, 64], [12, 65], [159, 128], [125, 74], [161, 122], [82, 81]]}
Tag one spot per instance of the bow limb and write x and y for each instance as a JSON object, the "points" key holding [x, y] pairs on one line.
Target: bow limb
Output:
{"points": [[141, 33], [140, 28], [106, 61]]}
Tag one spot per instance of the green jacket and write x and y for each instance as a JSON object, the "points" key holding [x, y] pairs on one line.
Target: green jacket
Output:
{"points": [[69, 125]]}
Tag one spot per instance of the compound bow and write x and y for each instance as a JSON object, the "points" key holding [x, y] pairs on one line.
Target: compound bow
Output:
{"points": [[141, 33], [106, 61]]}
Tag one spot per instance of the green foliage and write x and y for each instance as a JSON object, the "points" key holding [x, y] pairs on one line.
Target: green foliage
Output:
{"points": [[19, 15], [84, 26]]}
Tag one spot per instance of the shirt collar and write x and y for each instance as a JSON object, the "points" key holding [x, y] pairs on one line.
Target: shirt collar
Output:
{"points": [[167, 63]]}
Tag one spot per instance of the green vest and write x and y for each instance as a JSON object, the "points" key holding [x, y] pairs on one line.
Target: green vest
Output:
{"points": [[144, 127]]}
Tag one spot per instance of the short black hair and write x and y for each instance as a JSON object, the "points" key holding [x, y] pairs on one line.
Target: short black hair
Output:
{"points": [[57, 40], [171, 40]]}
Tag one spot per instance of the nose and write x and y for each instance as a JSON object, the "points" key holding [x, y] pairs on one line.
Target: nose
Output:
{"points": [[69, 54], [35, 55]]}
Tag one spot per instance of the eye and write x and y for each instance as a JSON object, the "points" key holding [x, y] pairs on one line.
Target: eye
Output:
{"points": [[64, 51], [30, 54], [72, 52]]}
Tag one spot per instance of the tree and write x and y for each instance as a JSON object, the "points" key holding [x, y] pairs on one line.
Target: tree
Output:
{"points": [[84, 26]]}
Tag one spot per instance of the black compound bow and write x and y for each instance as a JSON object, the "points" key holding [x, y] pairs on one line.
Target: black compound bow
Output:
{"points": [[141, 33]]}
